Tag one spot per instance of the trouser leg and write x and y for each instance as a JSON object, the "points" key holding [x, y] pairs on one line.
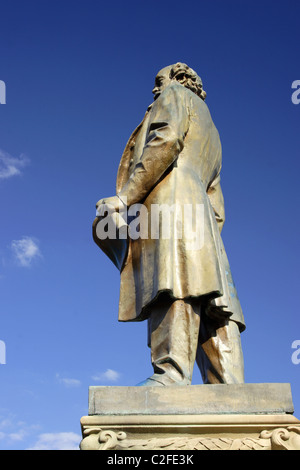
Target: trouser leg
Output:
{"points": [[219, 354], [174, 329]]}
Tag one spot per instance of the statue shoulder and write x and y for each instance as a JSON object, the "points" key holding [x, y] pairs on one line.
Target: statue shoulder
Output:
{"points": [[175, 89], [175, 94]]}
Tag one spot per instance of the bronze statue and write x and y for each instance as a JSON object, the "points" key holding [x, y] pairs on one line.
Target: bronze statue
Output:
{"points": [[184, 289]]}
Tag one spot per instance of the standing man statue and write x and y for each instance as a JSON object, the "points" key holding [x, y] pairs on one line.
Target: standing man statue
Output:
{"points": [[184, 290]]}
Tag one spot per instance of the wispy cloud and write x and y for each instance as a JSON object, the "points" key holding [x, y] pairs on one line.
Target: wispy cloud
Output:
{"points": [[67, 382], [13, 431], [25, 251], [109, 375], [57, 441], [19, 435], [11, 166]]}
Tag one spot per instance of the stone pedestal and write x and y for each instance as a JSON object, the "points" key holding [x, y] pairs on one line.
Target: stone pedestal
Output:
{"points": [[197, 417]]}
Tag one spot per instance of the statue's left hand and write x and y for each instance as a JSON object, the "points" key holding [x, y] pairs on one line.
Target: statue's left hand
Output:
{"points": [[112, 204]]}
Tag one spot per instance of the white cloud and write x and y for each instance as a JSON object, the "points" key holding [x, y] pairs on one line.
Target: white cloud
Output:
{"points": [[11, 166], [19, 435], [68, 382], [57, 441], [13, 431], [25, 251], [108, 376]]}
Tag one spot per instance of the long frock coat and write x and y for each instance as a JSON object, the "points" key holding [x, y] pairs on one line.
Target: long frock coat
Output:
{"points": [[174, 158]]}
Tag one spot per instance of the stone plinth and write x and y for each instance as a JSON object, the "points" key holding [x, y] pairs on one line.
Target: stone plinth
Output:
{"points": [[195, 399], [197, 417]]}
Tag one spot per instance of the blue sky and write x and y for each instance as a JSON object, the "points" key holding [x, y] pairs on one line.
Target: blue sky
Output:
{"points": [[78, 77]]}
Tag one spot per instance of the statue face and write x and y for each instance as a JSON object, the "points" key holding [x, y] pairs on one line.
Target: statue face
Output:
{"points": [[162, 80]]}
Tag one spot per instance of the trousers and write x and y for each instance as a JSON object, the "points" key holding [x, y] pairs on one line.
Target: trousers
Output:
{"points": [[180, 335]]}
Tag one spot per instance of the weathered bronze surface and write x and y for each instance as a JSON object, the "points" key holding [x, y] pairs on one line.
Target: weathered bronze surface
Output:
{"points": [[182, 285]]}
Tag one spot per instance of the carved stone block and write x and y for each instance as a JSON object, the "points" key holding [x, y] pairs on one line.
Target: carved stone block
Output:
{"points": [[126, 425]]}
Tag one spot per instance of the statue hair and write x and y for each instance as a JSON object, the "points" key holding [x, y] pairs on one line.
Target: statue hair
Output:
{"points": [[188, 78]]}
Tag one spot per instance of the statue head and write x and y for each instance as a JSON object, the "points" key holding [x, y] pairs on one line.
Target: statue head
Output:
{"points": [[183, 74]]}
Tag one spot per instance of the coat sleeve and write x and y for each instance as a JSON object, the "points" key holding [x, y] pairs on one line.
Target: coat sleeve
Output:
{"points": [[167, 128], [216, 198]]}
